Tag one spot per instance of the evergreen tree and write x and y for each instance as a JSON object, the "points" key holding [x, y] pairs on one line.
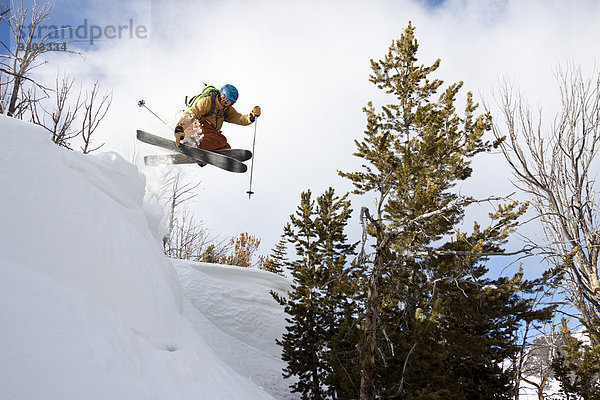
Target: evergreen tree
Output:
{"points": [[577, 367], [339, 286], [210, 255], [302, 344], [316, 302], [433, 326], [277, 260]]}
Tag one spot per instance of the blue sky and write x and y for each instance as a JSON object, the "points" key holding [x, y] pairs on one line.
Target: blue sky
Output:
{"points": [[92, 22], [4, 36], [307, 65], [433, 3]]}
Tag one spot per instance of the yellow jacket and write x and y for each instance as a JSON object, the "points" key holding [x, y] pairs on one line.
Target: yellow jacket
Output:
{"points": [[216, 119]]}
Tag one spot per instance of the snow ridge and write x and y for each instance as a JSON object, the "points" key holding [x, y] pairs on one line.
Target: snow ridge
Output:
{"points": [[90, 306]]}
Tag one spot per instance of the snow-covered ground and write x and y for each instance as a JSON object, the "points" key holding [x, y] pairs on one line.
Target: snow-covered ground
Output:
{"points": [[90, 308]]}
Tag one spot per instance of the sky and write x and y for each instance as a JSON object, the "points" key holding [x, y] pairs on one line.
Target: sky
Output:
{"points": [[307, 64]]}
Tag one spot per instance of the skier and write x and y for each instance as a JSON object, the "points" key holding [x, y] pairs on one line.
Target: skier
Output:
{"points": [[200, 125]]}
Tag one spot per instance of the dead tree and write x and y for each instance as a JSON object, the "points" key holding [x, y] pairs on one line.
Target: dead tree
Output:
{"points": [[20, 60], [558, 170], [186, 238], [173, 194], [4, 10], [538, 348], [93, 114], [59, 119]]}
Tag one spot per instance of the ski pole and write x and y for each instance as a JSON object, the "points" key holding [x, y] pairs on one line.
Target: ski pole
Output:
{"points": [[250, 192], [142, 103]]}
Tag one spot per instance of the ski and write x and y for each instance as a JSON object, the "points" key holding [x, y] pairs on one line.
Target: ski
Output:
{"points": [[158, 160], [170, 159], [199, 155], [238, 154]]}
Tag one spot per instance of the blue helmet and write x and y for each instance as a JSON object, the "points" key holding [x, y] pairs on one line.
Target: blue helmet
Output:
{"points": [[230, 92]]}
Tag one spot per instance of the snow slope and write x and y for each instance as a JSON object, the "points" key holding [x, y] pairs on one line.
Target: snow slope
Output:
{"points": [[239, 319], [91, 308]]}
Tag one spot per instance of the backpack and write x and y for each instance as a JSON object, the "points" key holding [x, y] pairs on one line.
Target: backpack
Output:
{"points": [[211, 91]]}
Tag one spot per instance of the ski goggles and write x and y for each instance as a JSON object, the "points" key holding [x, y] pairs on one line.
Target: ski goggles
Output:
{"points": [[226, 102]]}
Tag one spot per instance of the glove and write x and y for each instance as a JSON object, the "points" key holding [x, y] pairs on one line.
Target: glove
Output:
{"points": [[255, 113], [179, 135]]}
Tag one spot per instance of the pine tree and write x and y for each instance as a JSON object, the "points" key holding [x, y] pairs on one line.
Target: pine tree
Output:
{"points": [[315, 303], [210, 255], [301, 344], [339, 286], [577, 367], [277, 260], [424, 306]]}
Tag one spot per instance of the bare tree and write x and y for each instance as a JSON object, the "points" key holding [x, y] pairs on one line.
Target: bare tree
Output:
{"points": [[19, 61], [94, 113], [60, 117], [537, 369], [539, 346], [4, 10], [186, 238], [59, 120], [134, 153], [176, 193], [17, 98], [558, 170]]}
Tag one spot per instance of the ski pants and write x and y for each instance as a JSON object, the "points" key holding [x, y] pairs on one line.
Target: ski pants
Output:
{"points": [[208, 138]]}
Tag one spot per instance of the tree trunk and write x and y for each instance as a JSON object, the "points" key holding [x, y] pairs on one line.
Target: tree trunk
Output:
{"points": [[368, 379], [12, 106]]}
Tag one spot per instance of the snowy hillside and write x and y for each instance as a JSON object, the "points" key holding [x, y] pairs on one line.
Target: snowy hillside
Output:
{"points": [[92, 309]]}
